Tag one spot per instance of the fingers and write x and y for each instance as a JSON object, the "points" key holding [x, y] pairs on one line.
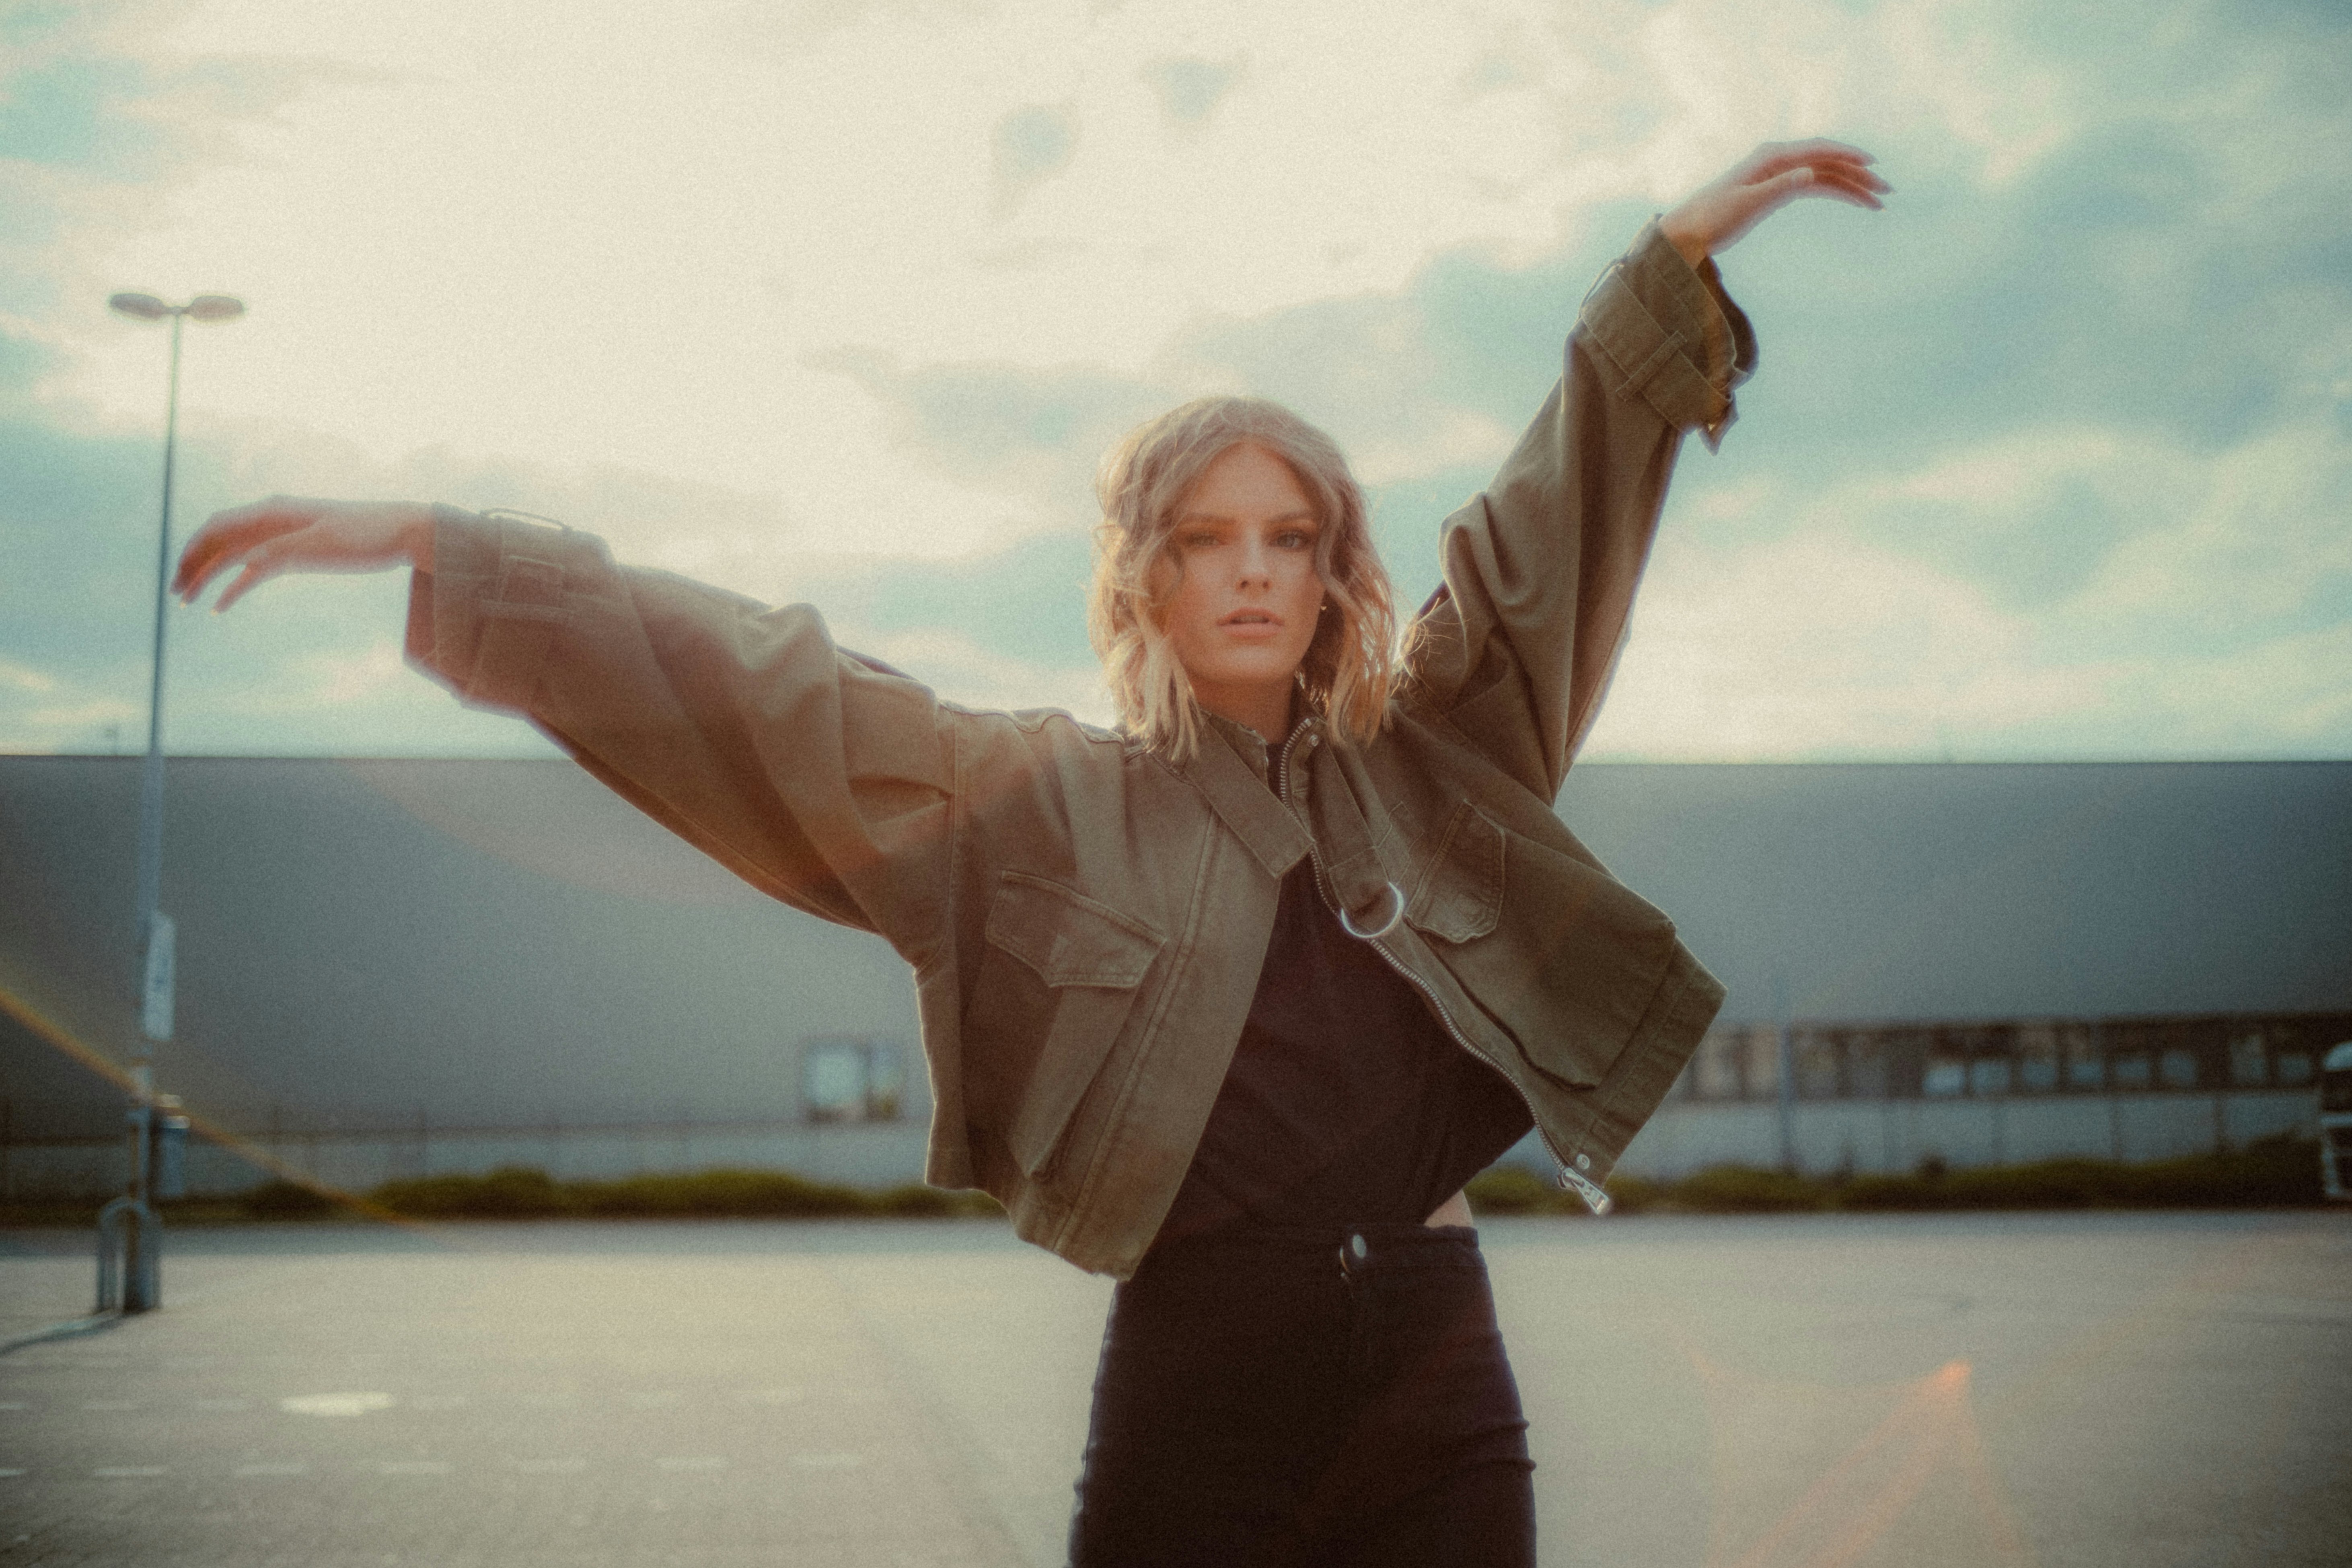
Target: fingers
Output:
{"points": [[259, 570], [1772, 157], [260, 561], [290, 533], [1836, 183], [1847, 165], [228, 535], [1816, 147]]}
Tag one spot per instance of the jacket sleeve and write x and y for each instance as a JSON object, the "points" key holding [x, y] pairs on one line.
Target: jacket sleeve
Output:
{"points": [[1515, 647], [819, 777]]}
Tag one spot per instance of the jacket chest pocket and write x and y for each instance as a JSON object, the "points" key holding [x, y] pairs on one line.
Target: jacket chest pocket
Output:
{"points": [[1460, 895], [1057, 982], [1556, 950]]}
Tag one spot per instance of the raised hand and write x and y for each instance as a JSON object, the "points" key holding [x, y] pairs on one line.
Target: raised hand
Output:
{"points": [[296, 533], [1715, 217]]}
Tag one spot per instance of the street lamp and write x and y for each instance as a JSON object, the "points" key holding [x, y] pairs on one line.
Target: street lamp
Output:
{"points": [[129, 1225]]}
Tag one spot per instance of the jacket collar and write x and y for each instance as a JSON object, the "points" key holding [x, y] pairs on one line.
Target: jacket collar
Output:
{"points": [[1235, 768], [1230, 766]]}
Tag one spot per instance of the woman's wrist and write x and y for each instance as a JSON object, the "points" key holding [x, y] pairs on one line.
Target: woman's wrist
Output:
{"points": [[416, 538], [1677, 232]]}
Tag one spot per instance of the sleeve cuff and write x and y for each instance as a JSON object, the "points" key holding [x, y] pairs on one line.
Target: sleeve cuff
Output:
{"points": [[500, 590], [1671, 334]]}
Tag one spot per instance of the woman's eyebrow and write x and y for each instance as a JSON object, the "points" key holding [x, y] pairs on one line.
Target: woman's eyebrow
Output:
{"points": [[1303, 516]]}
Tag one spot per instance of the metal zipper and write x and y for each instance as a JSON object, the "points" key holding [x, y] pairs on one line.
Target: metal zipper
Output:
{"points": [[1575, 1180]]}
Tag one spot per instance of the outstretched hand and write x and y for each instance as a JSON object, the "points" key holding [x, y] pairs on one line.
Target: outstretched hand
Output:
{"points": [[296, 533], [1715, 215]]}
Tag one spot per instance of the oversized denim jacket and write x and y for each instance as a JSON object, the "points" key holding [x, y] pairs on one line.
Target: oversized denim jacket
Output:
{"points": [[1086, 918]]}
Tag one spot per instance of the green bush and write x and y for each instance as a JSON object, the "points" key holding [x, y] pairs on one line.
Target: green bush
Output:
{"points": [[511, 1192], [917, 1201], [740, 1194], [2279, 1171], [1511, 1189], [1918, 1192], [1742, 1189], [518, 1192], [286, 1200], [2276, 1172], [1633, 1194]]}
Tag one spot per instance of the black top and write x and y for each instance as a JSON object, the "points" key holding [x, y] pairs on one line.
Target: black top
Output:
{"points": [[1348, 1103]]}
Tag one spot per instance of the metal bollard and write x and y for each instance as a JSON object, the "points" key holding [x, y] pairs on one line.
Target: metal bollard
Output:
{"points": [[168, 1161], [130, 1256]]}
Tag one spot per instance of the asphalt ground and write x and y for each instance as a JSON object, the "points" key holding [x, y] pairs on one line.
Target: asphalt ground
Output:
{"points": [[2076, 1389]]}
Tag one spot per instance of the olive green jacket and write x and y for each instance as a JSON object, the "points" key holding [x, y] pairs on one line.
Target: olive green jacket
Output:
{"points": [[1086, 918]]}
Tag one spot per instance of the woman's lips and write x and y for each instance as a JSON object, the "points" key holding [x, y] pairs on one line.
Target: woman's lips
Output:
{"points": [[1250, 624]]}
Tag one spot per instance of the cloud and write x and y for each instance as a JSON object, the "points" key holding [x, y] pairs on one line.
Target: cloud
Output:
{"points": [[96, 130], [2167, 258], [2049, 457], [16, 677], [1954, 608], [978, 676], [1031, 145], [1816, 645], [1030, 436], [1025, 603], [1190, 88]]}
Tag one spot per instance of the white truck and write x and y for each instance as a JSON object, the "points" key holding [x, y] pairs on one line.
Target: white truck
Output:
{"points": [[2335, 1122]]}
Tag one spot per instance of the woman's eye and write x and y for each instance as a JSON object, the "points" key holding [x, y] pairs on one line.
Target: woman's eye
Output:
{"points": [[1293, 539]]}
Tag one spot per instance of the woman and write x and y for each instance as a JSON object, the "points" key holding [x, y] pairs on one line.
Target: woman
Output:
{"points": [[1229, 1002]]}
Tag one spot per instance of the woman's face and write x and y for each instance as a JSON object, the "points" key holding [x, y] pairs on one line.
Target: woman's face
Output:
{"points": [[1245, 608]]}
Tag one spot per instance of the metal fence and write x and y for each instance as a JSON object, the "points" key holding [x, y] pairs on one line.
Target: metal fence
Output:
{"points": [[54, 1148], [2228, 1052]]}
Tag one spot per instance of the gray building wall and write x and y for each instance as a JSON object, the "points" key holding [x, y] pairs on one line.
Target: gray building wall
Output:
{"points": [[395, 966]]}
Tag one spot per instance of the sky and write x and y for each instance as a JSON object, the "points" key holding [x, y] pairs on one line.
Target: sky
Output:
{"points": [[841, 301]]}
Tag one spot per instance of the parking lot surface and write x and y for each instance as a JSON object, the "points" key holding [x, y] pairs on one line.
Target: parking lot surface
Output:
{"points": [[2081, 1389]]}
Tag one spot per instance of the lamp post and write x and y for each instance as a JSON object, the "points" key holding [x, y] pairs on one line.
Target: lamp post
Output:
{"points": [[129, 1225]]}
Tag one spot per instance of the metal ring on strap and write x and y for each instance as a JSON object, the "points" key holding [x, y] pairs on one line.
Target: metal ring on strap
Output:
{"points": [[1396, 918]]}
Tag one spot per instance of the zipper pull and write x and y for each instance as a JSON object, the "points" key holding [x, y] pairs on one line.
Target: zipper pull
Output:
{"points": [[1588, 1189]]}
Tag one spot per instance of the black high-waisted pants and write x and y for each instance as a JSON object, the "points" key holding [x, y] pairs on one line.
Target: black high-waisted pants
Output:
{"points": [[1307, 1396]]}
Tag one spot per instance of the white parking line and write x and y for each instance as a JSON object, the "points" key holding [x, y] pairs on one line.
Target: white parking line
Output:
{"points": [[6, 1474], [336, 1403], [14, 1405]]}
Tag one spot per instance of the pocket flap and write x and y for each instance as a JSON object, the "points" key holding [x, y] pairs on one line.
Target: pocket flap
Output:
{"points": [[1461, 893], [1067, 938]]}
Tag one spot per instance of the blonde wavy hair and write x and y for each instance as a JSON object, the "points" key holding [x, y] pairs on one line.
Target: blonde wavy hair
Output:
{"points": [[1350, 666]]}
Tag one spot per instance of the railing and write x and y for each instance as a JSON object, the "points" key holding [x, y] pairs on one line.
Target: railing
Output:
{"points": [[53, 1149]]}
